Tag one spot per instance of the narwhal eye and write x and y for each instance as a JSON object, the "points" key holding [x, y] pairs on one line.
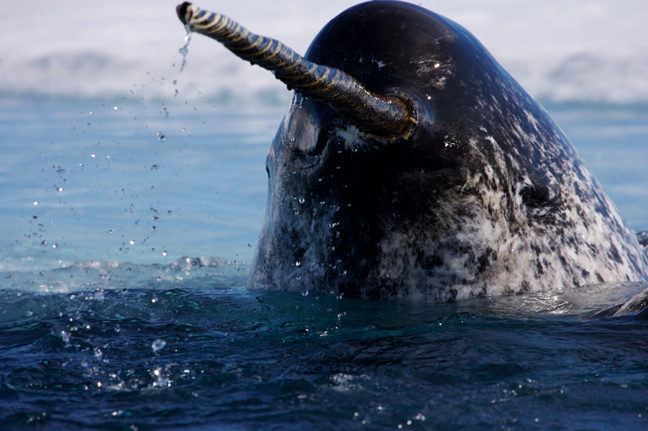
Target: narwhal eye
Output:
{"points": [[307, 160], [323, 138]]}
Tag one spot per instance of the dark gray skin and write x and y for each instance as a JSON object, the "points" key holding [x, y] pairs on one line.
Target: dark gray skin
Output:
{"points": [[484, 196]]}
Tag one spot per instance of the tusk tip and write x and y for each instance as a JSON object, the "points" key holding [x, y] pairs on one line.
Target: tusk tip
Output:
{"points": [[182, 12]]}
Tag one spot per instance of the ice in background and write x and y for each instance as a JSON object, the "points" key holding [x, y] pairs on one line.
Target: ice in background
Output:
{"points": [[560, 51]]}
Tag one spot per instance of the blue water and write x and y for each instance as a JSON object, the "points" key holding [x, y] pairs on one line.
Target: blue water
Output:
{"points": [[125, 238]]}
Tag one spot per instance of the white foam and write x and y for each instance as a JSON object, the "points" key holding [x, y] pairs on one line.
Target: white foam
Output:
{"points": [[559, 51]]}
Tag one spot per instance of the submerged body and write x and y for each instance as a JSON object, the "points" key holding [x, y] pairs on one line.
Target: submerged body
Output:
{"points": [[482, 195]]}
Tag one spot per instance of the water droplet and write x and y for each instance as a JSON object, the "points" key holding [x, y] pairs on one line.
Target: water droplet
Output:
{"points": [[301, 200], [161, 136], [339, 318], [185, 49], [30, 313], [132, 242], [98, 353], [158, 345], [35, 203], [298, 264], [305, 293]]}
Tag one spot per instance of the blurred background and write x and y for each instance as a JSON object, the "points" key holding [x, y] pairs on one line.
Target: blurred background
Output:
{"points": [[560, 51]]}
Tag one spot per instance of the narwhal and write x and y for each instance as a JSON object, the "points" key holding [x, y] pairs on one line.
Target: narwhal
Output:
{"points": [[411, 164]]}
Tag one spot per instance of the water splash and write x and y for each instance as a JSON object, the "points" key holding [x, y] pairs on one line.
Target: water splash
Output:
{"points": [[185, 49]]}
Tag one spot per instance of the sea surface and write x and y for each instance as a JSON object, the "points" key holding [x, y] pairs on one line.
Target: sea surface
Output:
{"points": [[126, 234], [132, 196]]}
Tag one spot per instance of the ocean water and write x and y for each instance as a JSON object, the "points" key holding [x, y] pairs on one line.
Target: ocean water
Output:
{"points": [[127, 231], [131, 208]]}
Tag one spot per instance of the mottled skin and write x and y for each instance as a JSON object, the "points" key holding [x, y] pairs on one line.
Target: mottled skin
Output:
{"points": [[485, 196]]}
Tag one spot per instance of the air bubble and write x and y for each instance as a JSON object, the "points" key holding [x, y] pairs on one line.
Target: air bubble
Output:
{"points": [[158, 345]]}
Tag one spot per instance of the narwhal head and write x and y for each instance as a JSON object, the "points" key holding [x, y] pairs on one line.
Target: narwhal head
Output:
{"points": [[369, 172]]}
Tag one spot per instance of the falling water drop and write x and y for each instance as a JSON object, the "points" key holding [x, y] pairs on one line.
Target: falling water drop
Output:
{"points": [[185, 49]]}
